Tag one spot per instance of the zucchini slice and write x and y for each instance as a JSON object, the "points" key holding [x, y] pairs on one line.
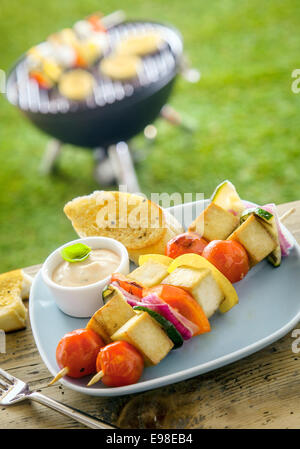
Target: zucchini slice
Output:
{"points": [[275, 257], [107, 292], [167, 326], [259, 212]]}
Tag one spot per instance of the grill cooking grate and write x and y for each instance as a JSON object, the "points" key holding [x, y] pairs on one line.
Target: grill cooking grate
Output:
{"points": [[25, 93]]}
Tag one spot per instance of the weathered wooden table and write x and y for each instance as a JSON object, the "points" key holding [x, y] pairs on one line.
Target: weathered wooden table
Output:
{"points": [[260, 391]]}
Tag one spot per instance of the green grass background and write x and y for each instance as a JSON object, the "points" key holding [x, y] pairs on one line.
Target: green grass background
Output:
{"points": [[246, 115]]}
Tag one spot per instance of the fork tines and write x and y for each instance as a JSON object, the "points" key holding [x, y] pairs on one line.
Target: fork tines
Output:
{"points": [[9, 380], [4, 385]]}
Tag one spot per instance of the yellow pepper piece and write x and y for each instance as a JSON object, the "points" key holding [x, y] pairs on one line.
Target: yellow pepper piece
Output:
{"points": [[165, 260]]}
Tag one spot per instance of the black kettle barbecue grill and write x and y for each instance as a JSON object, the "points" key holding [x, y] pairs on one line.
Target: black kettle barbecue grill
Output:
{"points": [[116, 111]]}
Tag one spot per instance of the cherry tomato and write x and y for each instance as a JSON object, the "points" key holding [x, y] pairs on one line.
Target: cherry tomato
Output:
{"points": [[121, 364], [229, 256], [130, 286], [78, 352], [188, 242]]}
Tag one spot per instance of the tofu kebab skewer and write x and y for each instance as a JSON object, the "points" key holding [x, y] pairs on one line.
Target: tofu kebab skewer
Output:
{"points": [[119, 321], [83, 351], [168, 300], [149, 323], [256, 228]]}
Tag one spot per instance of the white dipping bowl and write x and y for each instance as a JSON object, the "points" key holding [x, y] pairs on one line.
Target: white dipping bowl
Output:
{"points": [[83, 301]]}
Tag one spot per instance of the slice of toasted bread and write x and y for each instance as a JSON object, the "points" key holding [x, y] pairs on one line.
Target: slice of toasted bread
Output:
{"points": [[172, 229], [14, 286], [156, 248], [15, 279], [141, 225]]}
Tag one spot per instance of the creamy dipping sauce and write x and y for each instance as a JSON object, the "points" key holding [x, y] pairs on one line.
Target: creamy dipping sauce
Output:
{"points": [[100, 264]]}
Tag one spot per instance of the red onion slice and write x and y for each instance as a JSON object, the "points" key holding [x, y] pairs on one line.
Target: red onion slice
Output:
{"points": [[285, 244], [130, 298], [184, 326]]}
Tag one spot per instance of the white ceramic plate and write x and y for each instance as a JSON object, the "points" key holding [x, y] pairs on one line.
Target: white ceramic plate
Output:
{"points": [[269, 308]]}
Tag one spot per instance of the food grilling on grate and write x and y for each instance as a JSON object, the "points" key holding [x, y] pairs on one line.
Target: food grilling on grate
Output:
{"points": [[120, 67], [141, 45], [117, 109], [76, 84], [80, 46]]}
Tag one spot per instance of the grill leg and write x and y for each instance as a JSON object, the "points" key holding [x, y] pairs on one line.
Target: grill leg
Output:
{"points": [[172, 116], [123, 168], [103, 171], [51, 155]]}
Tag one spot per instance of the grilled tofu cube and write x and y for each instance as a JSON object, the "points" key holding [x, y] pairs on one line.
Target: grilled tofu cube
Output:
{"points": [[255, 238], [201, 284], [214, 223], [107, 320], [146, 336], [95, 326], [149, 274]]}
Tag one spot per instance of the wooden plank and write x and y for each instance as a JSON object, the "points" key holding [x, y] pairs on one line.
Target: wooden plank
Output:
{"points": [[260, 391]]}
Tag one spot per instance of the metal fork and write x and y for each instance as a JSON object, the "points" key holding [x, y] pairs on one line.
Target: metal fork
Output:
{"points": [[13, 390]]}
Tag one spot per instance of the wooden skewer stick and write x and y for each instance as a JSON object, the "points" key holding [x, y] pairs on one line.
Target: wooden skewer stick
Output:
{"points": [[96, 378], [287, 213], [63, 372]]}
